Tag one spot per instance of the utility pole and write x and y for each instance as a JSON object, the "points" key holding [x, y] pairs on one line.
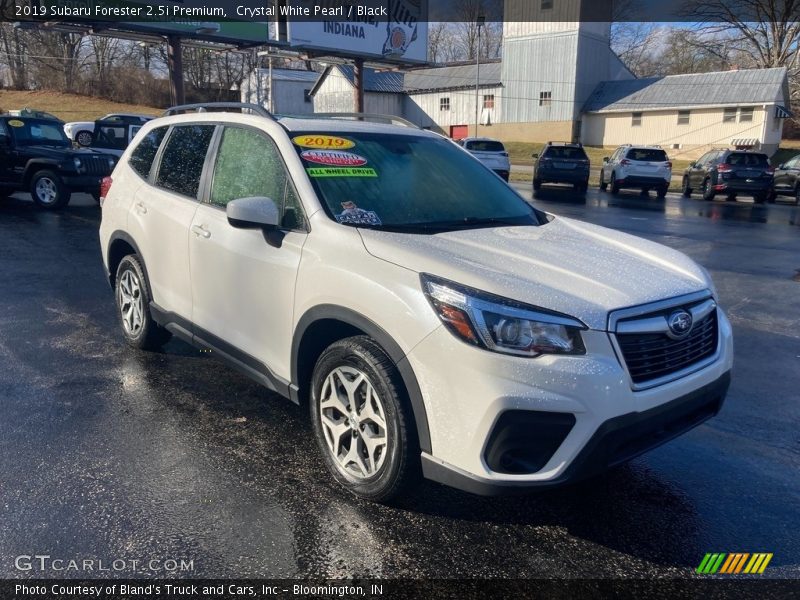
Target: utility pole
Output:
{"points": [[175, 64], [479, 21], [358, 80]]}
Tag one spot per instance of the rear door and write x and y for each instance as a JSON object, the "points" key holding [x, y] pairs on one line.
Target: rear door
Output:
{"points": [[243, 279], [698, 172], [162, 213]]}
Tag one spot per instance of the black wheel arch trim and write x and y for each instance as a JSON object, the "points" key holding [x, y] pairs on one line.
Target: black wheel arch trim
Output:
{"points": [[125, 237], [39, 164], [389, 345]]}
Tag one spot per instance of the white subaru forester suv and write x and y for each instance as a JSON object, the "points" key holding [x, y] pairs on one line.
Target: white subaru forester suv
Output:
{"points": [[430, 319]]}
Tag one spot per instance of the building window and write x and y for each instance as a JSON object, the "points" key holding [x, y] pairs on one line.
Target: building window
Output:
{"points": [[636, 119], [683, 117], [746, 115], [729, 116], [547, 4], [444, 103], [488, 101], [545, 98], [307, 96]]}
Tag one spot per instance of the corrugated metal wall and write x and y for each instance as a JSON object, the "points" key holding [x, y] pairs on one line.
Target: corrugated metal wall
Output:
{"points": [[337, 94], [425, 109]]}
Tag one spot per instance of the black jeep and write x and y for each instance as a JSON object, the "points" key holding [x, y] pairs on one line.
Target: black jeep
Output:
{"points": [[37, 156]]}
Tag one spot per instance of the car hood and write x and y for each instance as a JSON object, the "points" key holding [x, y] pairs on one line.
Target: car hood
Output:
{"points": [[567, 266], [60, 153]]}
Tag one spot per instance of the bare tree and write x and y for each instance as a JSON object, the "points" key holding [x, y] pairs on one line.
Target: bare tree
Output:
{"points": [[15, 54]]}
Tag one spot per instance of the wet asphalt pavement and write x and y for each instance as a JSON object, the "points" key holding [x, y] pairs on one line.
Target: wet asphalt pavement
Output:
{"points": [[109, 453]]}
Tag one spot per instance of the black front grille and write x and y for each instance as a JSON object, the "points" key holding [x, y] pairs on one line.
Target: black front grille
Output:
{"points": [[651, 356], [96, 165]]}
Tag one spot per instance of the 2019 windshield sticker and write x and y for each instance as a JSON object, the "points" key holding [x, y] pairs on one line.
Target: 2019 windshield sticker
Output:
{"points": [[330, 142], [352, 215], [333, 158], [341, 172]]}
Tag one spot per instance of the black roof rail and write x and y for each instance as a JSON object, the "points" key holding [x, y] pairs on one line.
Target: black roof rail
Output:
{"points": [[213, 106], [388, 119]]}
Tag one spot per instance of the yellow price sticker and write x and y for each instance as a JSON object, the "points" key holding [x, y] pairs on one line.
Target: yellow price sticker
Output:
{"points": [[16, 123], [323, 141]]}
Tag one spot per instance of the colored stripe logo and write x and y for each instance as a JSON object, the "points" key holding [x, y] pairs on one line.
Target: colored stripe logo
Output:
{"points": [[734, 563]]}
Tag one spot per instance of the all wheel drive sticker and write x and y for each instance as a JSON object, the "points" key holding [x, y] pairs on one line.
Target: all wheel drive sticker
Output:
{"points": [[329, 150]]}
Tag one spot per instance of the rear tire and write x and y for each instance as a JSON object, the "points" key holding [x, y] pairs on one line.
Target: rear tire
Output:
{"points": [[537, 185], [707, 190], [603, 184], [133, 299], [731, 198], [614, 184], [83, 138], [685, 189], [357, 394], [48, 191], [797, 195], [760, 198], [661, 192]]}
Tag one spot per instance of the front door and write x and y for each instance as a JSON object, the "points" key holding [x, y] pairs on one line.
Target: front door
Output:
{"points": [[243, 279]]}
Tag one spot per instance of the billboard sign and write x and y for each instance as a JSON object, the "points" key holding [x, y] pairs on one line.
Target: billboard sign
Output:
{"points": [[399, 34]]}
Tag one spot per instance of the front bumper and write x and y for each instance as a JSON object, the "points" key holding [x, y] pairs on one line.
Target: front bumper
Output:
{"points": [[585, 398], [616, 441]]}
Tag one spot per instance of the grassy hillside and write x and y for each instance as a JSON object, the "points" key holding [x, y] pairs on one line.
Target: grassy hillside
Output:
{"points": [[69, 107]]}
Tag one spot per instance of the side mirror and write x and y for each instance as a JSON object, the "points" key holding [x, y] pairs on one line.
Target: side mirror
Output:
{"points": [[605, 159], [257, 212], [782, 167], [693, 164], [535, 155]]}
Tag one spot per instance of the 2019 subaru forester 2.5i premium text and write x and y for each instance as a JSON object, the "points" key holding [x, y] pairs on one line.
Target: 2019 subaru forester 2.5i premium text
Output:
{"points": [[431, 319]]}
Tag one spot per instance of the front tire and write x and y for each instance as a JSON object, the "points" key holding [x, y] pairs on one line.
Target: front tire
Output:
{"points": [[48, 191], [537, 185], [133, 307], [361, 421], [603, 184]]}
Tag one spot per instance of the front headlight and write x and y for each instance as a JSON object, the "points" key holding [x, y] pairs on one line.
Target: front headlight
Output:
{"points": [[502, 325]]}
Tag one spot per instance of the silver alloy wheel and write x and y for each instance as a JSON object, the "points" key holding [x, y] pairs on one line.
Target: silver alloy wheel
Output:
{"points": [[46, 190], [131, 305], [84, 138], [354, 422]]}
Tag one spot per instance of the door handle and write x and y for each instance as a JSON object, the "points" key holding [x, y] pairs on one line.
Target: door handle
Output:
{"points": [[141, 208], [201, 231]]}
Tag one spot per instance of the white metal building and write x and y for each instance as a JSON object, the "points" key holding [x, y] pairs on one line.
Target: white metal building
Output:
{"points": [[291, 90]]}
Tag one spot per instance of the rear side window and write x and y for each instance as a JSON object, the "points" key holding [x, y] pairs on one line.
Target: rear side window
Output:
{"points": [[485, 146], [747, 160], [183, 158], [565, 152], [647, 154], [143, 155]]}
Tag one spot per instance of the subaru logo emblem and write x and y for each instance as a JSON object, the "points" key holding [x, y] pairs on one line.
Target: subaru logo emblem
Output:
{"points": [[680, 324]]}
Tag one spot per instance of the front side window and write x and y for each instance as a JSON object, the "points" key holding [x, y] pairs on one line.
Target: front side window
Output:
{"points": [[409, 182], [183, 158], [249, 164], [142, 157]]}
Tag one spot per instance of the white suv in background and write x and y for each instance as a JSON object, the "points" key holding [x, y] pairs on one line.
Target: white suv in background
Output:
{"points": [[490, 152], [429, 318], [641, 167]]}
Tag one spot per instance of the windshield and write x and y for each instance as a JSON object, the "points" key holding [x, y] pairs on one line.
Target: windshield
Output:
{"points": [[485, 146], [38, 132], [407, 182]]}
